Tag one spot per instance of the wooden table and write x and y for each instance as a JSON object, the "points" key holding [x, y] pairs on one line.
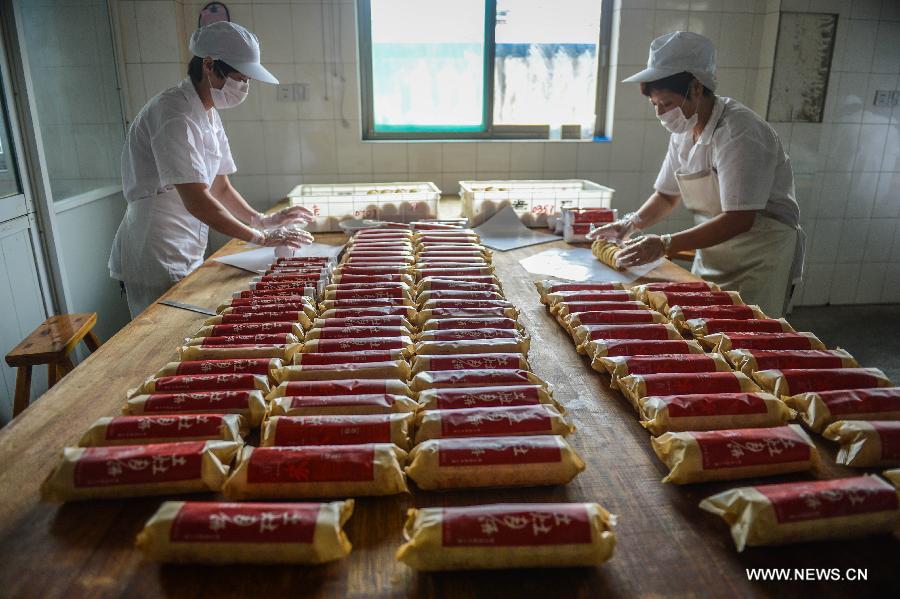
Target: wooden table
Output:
{"points": [[666, 545]]}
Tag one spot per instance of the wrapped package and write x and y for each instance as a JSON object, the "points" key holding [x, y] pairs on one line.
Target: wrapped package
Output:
{"points": [[497, 322], [348, 357], [396, 321], [134, 430], [587, 334], [382, 285], [541, 419], [380, 302], [547, 286], [267, 305], [341, 387], [807, 511], [342, 405], [251, 405], [203, 382], [473, 346], [510, 361], [724, 342], [712, 411], [637, 386], [622, 366], [893, 475], [436, 283], [663, 301], [478, 462], [674, 286], [464, 303], [371, 293], [299, 317], [375, 278], [866, 443], [139, 470], [601, 348], [749, 361], [240, 350], [637, 316], [453, 294], [322, 346], [497, 377], [818, 410], [407, 312], [525, 535], [469, 334], [681, 314], [317, 471], [253, 328], [702, 456], [701, 327], [426, 316], [794, 381], [393, 369], [219, 532], [261, 339], [615, 295], [338, 430], [451, 285], [260, 366], [565, 308], [450, 398]]}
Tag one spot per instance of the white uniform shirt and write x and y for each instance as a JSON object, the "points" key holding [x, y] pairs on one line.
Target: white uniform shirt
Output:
{"points": [[744, 151], [174, 139]]}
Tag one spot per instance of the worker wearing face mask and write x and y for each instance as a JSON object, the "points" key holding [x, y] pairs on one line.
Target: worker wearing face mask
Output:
{"points": [[175, 168], [728, 167]]}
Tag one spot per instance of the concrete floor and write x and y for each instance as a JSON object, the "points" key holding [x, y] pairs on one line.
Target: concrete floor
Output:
{"points": [[870, 333]]}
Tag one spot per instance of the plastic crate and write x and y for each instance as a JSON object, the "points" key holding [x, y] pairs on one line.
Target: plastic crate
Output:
{"points": [[397, 202], [533, 200]]}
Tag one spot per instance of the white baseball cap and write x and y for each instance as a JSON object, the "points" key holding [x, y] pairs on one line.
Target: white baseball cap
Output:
{"points": [[677, 52], [232, 44]]}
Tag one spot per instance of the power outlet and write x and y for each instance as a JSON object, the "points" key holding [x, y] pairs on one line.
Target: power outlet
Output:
{"points": [[882, 97], [284, 93]]}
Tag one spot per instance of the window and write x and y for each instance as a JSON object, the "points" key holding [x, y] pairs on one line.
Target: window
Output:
{"points": [[483, 69]]}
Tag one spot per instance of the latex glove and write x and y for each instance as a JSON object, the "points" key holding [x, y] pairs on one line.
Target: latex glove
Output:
{"points": [[294, 237], [286, 216], [619, 230], [641, 250]]}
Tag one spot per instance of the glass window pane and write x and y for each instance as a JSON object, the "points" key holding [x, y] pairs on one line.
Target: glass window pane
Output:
{"points": [[428, 65], [9, 179], [546, 62], [70, 54]]}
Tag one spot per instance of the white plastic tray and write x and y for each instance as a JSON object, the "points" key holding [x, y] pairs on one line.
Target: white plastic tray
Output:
{"points": [[533, 200]]}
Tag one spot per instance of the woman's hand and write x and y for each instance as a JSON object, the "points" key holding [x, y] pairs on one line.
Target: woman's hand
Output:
{"points": [[619, 230], [643, 250], [282, 236], [286, 216]]}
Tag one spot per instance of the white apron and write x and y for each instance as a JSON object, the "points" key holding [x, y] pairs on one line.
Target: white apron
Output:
{"points": [[762, 264]]}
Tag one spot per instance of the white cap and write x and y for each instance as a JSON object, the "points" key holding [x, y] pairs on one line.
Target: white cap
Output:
{"points": [[233, 45], [677, 52]]}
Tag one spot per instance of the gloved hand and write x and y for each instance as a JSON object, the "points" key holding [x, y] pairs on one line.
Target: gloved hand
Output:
{"points": [[642, 250], [619, 230], [286, 216], [282, 236]]}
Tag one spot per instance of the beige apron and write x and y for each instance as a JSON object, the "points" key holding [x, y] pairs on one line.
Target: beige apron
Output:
{"points": [[762, 264]]}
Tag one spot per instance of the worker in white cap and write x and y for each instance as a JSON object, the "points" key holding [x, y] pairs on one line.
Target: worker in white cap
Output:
{"points": [[175, 168], [728, 167]]}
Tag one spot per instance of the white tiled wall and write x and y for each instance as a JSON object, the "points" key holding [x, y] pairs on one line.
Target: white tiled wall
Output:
{"points": [[847, 167]]}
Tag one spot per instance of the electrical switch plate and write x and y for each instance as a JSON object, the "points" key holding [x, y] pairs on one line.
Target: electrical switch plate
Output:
{"points": [[882, 97], [300, 92], [895, 97], [284, 93]]}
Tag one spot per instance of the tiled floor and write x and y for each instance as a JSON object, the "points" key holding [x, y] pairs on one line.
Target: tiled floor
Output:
{"points": [[870, 333]]}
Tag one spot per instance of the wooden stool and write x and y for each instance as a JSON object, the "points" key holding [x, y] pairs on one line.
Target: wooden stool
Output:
{"points": [[50, 344]]}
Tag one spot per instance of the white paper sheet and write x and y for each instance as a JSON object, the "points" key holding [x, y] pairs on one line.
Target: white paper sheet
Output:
{"points": [[579, 264], [504, 231], [257, 260]]}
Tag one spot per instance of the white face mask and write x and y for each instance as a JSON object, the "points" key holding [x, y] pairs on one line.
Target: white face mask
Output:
{"points": [[675, 121], [232, 93]]}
